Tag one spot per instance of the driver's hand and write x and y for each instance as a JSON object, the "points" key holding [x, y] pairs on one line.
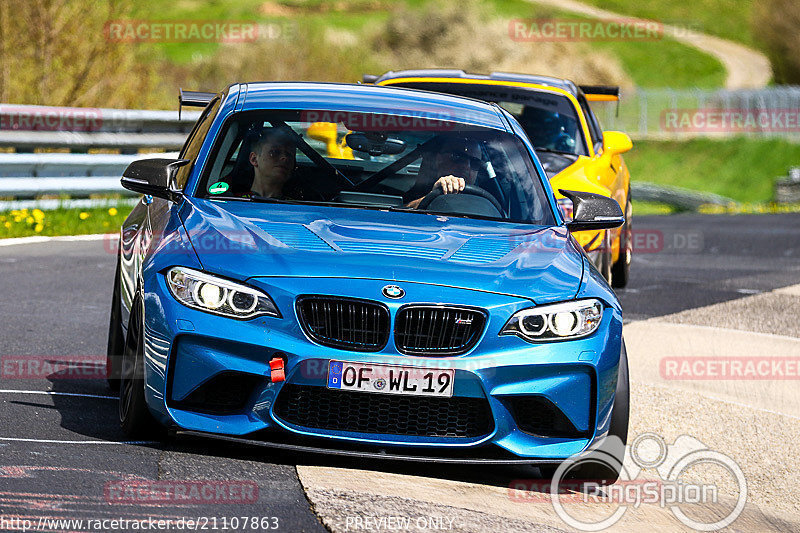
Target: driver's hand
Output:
{"points": [[450, 184]]}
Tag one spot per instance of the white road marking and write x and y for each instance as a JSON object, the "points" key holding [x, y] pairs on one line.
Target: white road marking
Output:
{"points": [[52, 441], [38, 239], [53, 393]]}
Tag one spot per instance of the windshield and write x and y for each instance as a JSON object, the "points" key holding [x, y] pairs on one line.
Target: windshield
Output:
{"points": [[549, 119], [375, 161]]}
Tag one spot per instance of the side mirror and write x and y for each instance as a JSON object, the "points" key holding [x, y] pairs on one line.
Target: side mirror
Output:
{"points": [[616, 142], [153, 177], [592, 211]]}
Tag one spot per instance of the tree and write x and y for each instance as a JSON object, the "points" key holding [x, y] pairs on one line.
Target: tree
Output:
{"points": [[56, 52], [776, 23]]}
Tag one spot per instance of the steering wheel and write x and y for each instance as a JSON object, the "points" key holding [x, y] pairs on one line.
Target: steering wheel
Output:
{"points": [[474, 190]]}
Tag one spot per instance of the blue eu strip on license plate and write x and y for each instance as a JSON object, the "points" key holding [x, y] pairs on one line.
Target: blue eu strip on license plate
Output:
{"points": [[335, 375]]}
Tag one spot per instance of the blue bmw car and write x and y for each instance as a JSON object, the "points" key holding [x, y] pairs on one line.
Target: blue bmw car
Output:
{"points": [[367, 271]]}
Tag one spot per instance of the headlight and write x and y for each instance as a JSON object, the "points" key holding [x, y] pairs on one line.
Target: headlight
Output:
{"points": [[219, 296], [567, 320]]}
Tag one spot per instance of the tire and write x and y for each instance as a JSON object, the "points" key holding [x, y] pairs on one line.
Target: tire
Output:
{"points": [[620, 272], [116, 338], [606, 268], [134, 415], [605, 464]]}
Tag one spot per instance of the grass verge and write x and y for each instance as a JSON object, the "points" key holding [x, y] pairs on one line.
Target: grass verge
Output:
{"points": [[739, 168], [62, 221], [724, 18], [651, 208], [651, 64]]}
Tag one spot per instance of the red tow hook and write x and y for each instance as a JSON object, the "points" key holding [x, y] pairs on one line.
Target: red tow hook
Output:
{"points": [[276, 369]]}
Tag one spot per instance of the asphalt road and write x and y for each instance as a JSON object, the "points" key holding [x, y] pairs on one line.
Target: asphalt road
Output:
{"points": [[63, 456]]}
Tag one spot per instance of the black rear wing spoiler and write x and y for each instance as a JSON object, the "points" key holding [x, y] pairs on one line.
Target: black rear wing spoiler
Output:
{"points": [[193, 99], [600, 93]]}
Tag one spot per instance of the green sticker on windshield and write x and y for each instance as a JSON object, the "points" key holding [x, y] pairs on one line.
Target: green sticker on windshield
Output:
{"points": [[218, 188]]}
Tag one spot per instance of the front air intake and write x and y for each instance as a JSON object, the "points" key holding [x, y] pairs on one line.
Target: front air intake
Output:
{"points": [[347, 323], [437, 330]]}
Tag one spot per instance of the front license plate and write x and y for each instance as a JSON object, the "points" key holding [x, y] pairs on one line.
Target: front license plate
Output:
{"points": [[390, 379]]}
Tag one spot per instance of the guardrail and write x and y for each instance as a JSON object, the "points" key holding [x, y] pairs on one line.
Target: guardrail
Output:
{"points": [[78, 175], [25, 128], [680, 114]]}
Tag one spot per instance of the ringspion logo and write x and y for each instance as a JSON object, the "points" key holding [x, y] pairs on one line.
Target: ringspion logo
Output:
{"points": [[676, 487]]}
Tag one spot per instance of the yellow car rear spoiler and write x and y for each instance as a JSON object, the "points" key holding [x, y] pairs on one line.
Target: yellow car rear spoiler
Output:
{"points": [[600, 93]]}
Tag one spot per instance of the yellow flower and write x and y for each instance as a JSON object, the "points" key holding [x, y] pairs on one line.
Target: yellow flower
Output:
{"points": [[39, 227], [38, 214], [84, 215], [29, 220], [7, 224], [112, 211]]}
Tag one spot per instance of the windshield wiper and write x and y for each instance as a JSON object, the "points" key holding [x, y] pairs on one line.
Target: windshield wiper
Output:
{"points": [[265, 199], [249, 199], [551, 151]]}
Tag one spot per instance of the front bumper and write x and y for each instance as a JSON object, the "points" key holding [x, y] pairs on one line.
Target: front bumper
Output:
{"points": [[187, 352]]}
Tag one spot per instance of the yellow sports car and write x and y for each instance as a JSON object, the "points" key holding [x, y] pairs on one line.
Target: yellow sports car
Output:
{"points": [[574, 150]]}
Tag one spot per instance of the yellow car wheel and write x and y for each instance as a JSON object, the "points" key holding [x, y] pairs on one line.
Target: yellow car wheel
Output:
{"points": [[621, 269], [607, 257]]}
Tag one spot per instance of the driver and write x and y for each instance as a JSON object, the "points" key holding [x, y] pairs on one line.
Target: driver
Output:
{"points": [[456, 165], [272, 155], [545, 129], [272, 159]]}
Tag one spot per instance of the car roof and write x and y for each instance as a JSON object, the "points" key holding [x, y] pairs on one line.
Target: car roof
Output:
{"points": [[558, 83], [360, 98]]}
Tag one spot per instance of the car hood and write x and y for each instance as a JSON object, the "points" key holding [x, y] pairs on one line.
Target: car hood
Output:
{"points": [[242, 240]]}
